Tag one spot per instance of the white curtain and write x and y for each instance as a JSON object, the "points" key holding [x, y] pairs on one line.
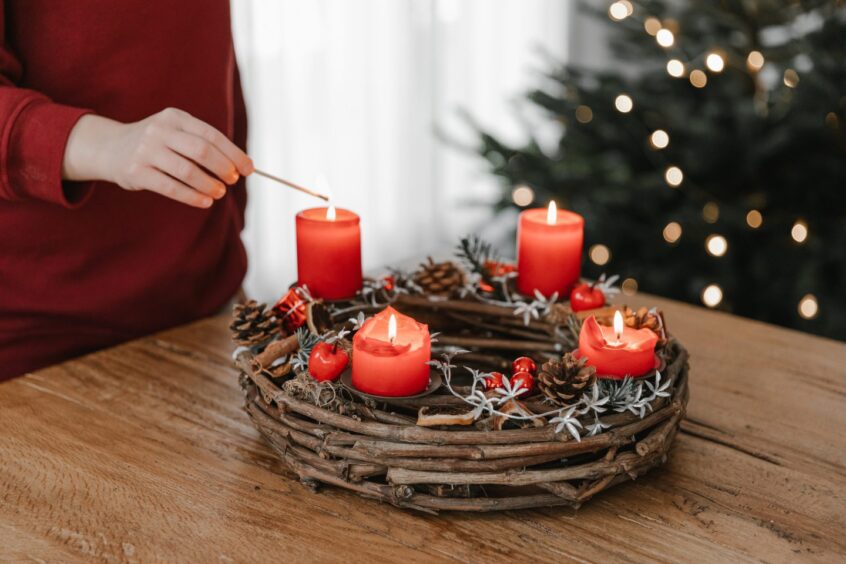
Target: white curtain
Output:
{"points": [[362, 94]]}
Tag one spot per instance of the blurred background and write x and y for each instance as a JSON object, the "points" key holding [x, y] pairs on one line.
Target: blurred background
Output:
{"points": [[702, 141]]}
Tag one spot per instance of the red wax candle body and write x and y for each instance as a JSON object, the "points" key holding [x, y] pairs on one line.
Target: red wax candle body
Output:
{"points": [[397, 368], [633, 354], [549, 256], [329, 253]]}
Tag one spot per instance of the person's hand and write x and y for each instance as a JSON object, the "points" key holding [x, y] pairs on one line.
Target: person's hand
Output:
{"points": [[171, 153]]}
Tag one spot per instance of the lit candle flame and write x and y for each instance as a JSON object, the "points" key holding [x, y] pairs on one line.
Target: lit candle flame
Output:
{"points": [[618, 325], [551, 213], [330, 213], [392, 329]]}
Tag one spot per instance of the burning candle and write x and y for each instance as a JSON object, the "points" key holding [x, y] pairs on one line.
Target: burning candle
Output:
{"points": [[549, 250], [329, 252], [617, 351], [390, 353]]}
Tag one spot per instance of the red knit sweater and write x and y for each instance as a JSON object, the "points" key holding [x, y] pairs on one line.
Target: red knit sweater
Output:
{"points": [[84, 266]]}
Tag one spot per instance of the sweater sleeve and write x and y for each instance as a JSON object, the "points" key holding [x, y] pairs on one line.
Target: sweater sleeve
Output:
{"points": [[33, 133]]}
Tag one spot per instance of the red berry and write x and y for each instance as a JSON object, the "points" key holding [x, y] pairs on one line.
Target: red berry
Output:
{"points": [[523, 380], [524, 364], [326, 362], [586, 296], [493, 381]]}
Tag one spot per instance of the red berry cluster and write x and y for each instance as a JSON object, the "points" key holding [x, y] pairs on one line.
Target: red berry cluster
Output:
{"points": [[523, 372]]}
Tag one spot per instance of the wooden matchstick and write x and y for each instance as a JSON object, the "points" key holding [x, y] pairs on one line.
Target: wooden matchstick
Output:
{"points": [[292, 185]]}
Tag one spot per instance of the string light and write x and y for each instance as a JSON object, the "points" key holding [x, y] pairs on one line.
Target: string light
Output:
{"points": [[665, 37], [659, 139], [675, 68], [712, 295], [715, 62], [716, 245], [799, 232], [623, 103], [754, 219], [672, 232], [523, 195], [584, 114], [808, 306], [673, 175], [711, 212], [599, 254], [652, 25], [698, 78], [620, 10], [754, 61], [791, 78], [629, 286]]}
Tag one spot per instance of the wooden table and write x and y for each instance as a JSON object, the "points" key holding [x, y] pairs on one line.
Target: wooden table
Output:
{"points": [[142, 452]]}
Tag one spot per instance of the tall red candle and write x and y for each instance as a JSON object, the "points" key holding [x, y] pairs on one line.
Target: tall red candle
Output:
{"points": [[329, 252], [617, 351], [549, 250], [390, 353]]}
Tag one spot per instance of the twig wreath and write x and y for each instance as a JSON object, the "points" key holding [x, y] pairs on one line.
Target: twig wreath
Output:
{"points": [[553, 433]]}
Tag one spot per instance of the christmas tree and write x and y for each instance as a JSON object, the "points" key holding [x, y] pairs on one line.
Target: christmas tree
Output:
{"points": [[712, 168]]}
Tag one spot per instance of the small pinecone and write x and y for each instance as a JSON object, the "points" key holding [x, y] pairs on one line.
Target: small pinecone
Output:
{"points": [[644, 319], [440, 278], [641, 319], [252, 323], [564, 380], [559, 314]]}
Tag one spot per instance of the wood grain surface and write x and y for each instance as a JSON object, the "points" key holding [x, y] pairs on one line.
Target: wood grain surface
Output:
{"points": [[143, 453]]}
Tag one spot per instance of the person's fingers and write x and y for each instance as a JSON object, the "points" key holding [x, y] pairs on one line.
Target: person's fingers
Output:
{"points": [[188, 173], [188, 123], [159, 182], [203, 153]]}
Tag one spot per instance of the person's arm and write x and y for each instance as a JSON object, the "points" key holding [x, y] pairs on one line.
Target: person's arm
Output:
{"points": [[43, 143], [165, 153]]}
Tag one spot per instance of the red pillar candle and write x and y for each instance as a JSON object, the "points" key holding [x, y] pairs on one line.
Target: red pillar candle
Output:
{"points": [[549, 250], [329, 252], [390, 353], [617, 351]]}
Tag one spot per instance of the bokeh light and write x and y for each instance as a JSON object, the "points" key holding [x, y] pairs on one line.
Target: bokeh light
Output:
{"points": [[754, 219], [523, 195], [672, 232], [715, 62], [716, 245], [674, 176], [623, 103], [599, 254], [808, 306], [659, 139], [712, 295]]}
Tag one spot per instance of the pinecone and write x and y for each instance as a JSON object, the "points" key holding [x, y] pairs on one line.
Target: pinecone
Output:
{"points": [[252, 323], [642, 319], [439, 278], [646, 319], [564, 380]]}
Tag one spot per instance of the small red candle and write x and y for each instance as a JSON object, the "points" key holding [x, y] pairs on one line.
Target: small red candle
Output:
{"points": [[617, 351], [390, 353], [329, 252], [549, 251]]}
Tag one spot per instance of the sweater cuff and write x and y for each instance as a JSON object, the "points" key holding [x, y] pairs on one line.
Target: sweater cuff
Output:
{"points": [[36, 150]]}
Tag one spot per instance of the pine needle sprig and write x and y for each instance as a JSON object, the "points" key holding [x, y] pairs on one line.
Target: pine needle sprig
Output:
{"points": [[474, 253], [307, 341]]}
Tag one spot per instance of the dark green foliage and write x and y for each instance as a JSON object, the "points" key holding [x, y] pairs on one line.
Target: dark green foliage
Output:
{"points": [[744, 141]]}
